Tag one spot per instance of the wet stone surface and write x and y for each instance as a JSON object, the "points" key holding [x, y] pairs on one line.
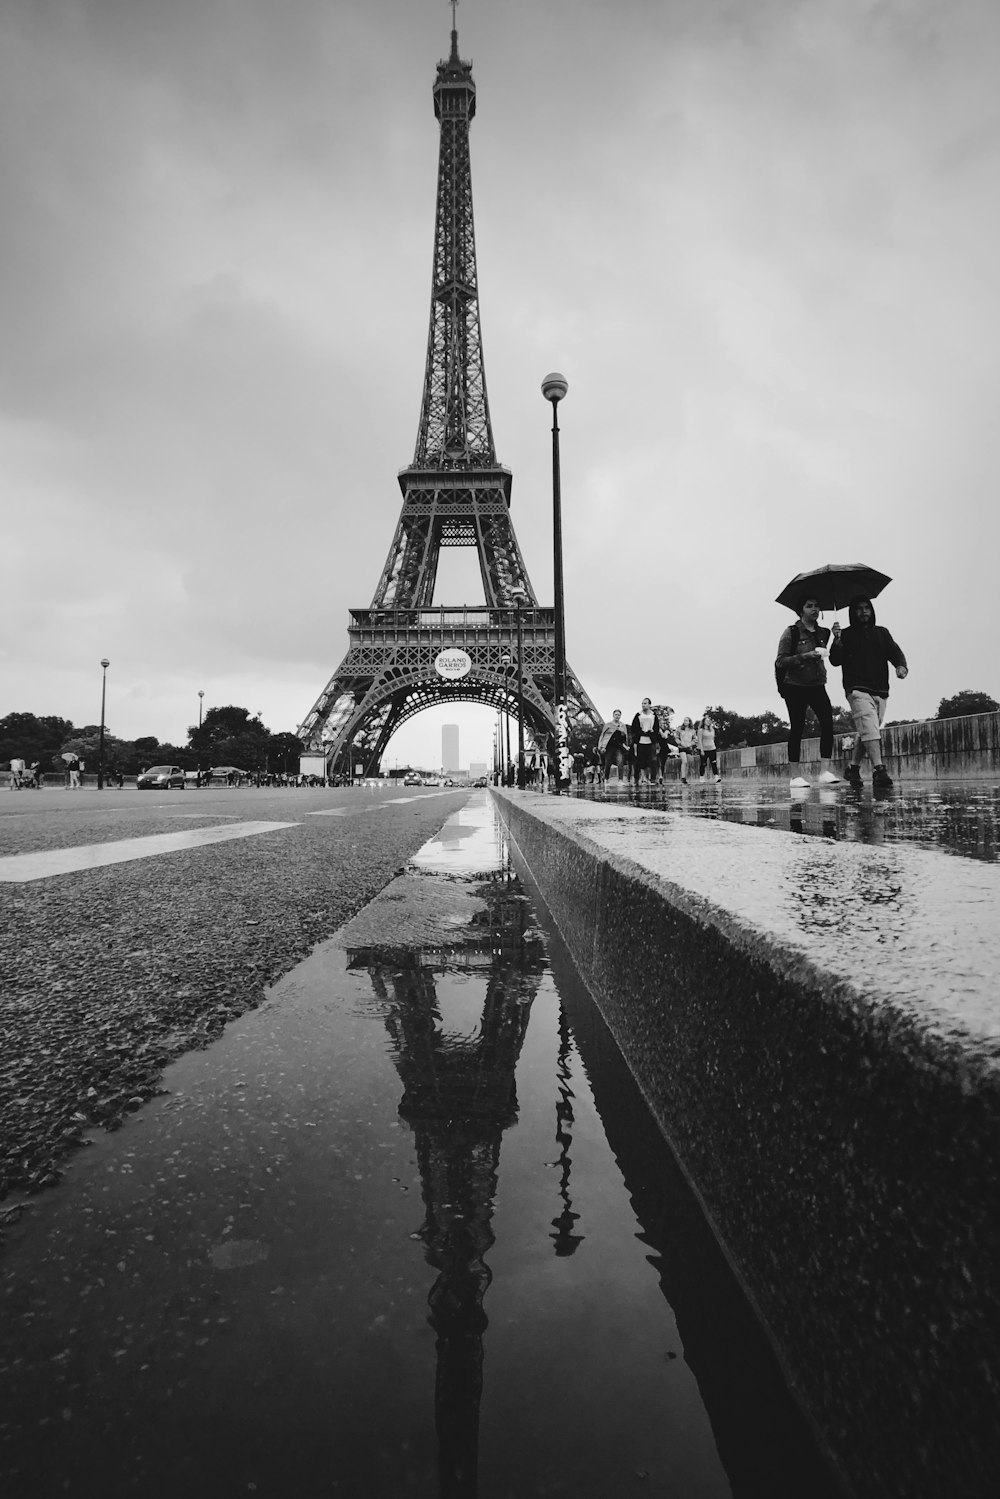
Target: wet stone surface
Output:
{"points": [[407, 1229], [814, 1023], [960, 818]]}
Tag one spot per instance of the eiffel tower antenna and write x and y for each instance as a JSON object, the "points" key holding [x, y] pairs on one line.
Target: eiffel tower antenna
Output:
{"points": [[406, 652]]}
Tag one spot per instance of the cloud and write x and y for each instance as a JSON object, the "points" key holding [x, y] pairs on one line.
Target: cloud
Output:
{"points": [[759, 240]]}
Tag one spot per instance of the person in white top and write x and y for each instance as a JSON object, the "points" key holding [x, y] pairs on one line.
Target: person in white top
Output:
{"points": [[645, 737], [687, 738], [706, 744]]}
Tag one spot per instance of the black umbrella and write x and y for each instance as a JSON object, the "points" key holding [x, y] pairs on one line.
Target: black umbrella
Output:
{"points": [[833, 586]]}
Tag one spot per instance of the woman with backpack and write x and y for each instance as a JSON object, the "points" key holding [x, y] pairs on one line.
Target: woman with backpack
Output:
{"points": [[800, 671]]}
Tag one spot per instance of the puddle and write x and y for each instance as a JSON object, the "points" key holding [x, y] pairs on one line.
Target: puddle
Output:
{"points": [[961, 818], [408, 1229]]}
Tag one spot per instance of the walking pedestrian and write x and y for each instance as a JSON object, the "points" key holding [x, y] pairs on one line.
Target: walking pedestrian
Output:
{"points": [[706, 746], [801, 672], [645, 736], [74, 775], [864, 651], [687, 739], [665, 747], [612, 745]]}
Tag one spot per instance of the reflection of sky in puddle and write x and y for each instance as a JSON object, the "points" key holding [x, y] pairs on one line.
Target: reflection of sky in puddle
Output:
{"points": [[955, 818], [459, 1004], [471, 842]]}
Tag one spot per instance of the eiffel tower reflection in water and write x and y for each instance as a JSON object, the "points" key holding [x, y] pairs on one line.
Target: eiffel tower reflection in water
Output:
{"points": [[459, 1096]]}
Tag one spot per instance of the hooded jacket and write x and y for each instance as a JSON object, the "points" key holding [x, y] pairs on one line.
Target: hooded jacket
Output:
{"points": [[864, 653]]}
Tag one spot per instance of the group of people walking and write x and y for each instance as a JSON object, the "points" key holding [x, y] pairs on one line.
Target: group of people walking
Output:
{"points": [[23, 776], [638, 751], [864, 650]]}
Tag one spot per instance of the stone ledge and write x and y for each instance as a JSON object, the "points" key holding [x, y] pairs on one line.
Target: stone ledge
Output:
{"points": [[815, 1027]]}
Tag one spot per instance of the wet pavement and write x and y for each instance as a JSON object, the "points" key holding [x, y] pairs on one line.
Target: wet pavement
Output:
{"points": [[407, 1229], [960, 817]]}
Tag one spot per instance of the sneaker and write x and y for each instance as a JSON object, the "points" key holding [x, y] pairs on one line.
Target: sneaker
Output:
{"points": [[718, 778], [798, 781], [829, 779], [852, 775], [881, 779]]}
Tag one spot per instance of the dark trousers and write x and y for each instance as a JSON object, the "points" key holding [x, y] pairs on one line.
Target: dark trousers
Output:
{"points": [[615, 753], [798, 699], [644, 759]]}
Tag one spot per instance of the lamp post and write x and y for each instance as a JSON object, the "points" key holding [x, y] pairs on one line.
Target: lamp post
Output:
{"points": [[105, 663], [519, 600], [201, 704], [505, 662], [554, 387]]}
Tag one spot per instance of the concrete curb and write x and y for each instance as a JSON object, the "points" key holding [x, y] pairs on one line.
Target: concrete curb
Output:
{"points": [[845, 1150]]}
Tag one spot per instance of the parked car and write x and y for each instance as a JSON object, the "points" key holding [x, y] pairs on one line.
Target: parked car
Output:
{"points": [[231, 774], [480, 781], [412, 780], [161, 778]]}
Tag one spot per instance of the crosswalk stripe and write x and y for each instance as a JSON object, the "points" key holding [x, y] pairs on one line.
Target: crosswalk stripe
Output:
{"points": [[395, 801], [20, 868]]}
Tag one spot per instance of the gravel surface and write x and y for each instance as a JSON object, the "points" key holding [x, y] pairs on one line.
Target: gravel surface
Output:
{"points": [[108, 974]]}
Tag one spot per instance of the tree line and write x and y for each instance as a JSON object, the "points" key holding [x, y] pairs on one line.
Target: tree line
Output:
{"points": [[233, 736], [228, 736]]}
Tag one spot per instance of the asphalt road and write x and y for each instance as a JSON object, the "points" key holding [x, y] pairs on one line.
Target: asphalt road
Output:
{"points": [[108, 973]]}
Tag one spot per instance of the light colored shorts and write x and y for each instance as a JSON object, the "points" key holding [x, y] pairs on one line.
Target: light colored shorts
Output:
{"points": [[868, 713]]}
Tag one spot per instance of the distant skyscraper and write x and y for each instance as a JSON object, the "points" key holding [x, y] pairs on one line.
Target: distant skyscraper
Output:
{"points": [[449, 747]]}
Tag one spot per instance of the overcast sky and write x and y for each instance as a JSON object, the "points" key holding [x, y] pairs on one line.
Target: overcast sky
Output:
{"points": [[759, 237]]}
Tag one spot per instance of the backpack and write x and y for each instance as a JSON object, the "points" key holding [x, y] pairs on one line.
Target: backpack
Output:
{"points": [[781, 670]]}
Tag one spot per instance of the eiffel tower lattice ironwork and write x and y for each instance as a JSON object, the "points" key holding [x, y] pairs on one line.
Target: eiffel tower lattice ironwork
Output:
{"points": [[455, 494]]}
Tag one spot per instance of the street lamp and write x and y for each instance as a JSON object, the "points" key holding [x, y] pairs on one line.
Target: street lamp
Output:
{"points": [[519, 597], [554, 387], [105, 663], [201, 704], [505, 662]]}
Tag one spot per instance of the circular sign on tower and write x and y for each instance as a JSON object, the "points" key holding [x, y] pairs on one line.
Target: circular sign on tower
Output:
{"points": [[453, 664]]}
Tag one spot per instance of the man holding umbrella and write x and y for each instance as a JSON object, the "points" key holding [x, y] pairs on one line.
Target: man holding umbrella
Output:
{"points": [[865, 650]]}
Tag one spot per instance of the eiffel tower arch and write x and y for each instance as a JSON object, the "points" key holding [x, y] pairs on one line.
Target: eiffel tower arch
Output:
{"points": [[405, 653]]}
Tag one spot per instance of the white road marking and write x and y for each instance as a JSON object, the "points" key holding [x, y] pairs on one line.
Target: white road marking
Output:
{"points": [[19, 868], [395, 801]]}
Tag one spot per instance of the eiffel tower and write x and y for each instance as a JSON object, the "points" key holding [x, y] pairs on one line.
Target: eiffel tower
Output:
{"points": [[405, 652]]}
